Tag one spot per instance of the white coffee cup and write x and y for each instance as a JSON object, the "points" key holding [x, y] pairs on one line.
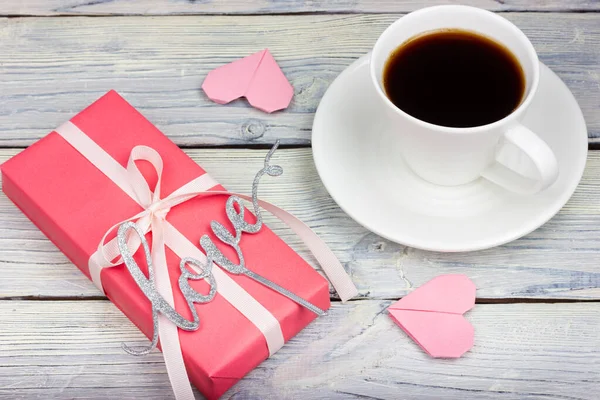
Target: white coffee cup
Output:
{"points": [[454, 156]]}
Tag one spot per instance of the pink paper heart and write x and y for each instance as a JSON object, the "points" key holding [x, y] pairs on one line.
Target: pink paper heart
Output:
{"points": [[432, 315], [256, 77]]}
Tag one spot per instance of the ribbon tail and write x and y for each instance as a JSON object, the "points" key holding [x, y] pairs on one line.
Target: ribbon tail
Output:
{"points": [[332, 267], [168, 333]]}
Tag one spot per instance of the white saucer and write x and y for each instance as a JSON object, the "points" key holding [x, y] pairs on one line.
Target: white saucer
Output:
{"points": [[365, 175]]}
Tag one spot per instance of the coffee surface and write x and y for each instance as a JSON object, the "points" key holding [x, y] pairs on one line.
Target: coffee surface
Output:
{"points": [[454, 78]]}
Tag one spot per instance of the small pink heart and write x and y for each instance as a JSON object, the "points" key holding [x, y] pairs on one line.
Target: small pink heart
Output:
{"points": [[432, 315], [256, 77]]}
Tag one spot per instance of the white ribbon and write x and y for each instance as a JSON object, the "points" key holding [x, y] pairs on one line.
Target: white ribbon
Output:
{"points": [[153, 218]]}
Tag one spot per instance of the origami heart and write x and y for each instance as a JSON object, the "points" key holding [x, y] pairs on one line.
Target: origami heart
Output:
{"points": [[256, 77], [432, 315]]}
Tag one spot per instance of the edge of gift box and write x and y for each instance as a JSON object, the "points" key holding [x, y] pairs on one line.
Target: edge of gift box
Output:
{"points": [[59, 237]]}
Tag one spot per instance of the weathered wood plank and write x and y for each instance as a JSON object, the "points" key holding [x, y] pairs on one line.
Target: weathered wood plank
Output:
{"points": [[52, 67], [52, 350], [170, 7], [558, 261]]}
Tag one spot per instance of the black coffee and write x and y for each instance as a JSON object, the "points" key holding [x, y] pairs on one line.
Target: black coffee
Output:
{"points": [[454, 78]]}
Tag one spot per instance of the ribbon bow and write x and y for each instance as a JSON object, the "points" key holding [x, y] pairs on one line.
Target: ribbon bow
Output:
{"points": [[153, 217]]}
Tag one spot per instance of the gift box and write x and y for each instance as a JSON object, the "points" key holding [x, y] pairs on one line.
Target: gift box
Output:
{"points": [[74, 204]]}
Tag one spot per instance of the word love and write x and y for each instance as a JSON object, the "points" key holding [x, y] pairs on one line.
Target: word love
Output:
{"points": [[203, 271]]}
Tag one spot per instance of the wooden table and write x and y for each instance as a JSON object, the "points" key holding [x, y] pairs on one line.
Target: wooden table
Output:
{"points": [[537, 320]]}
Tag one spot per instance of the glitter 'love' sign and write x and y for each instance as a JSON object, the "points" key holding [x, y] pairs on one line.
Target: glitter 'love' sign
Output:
{"points": [[203, 271]]}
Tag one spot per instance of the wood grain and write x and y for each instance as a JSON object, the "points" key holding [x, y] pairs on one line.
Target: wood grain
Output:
{"points": [[50, 68], [69, 346], [71, 349], [169, 7], [558, 261]]}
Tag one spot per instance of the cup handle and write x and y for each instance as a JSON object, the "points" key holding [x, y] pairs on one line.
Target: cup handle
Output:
{"points": [[537, 151]]}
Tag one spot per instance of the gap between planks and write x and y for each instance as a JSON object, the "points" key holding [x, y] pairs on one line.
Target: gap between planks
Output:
{"points": [[102, 8], [593, 145], [240, 146], [508, 300], [282, 14]]}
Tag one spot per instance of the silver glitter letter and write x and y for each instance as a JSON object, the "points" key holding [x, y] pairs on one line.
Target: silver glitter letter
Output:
{"points": [[148, 287]]}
